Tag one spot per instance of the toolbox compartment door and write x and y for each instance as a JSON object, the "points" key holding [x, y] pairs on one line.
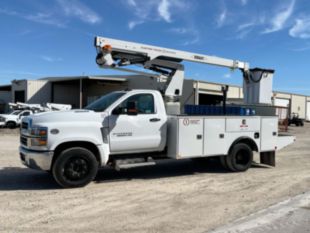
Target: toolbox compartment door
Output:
{"points": [[269, 133], [214, 137], [190, 137]]}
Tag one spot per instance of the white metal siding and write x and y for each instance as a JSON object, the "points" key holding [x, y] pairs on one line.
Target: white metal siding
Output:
{"points": [[308, 111], [299, 105], [38, 91], [233, 93]]}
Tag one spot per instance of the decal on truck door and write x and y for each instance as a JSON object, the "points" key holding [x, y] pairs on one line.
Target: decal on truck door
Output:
{"points": [[186, 122], [125, 134], [243, 124]]}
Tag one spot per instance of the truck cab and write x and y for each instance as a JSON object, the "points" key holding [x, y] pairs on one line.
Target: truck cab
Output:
{"points": [[125, 122]]}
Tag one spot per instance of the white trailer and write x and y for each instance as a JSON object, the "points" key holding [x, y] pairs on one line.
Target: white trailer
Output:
{"points": [[138, 127]]}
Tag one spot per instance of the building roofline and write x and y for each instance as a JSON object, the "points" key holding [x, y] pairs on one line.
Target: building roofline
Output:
{"points": [[216, 83], [116, 78], [234, 85]]}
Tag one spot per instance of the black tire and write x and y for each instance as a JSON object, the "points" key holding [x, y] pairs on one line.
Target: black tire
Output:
{"points": [[75, 167], [240, 158], [297, 124], [301, 124], [11, 125]]}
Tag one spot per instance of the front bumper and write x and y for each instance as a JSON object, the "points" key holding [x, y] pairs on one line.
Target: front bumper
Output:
{"points": [[2, 123], [40, 160]]}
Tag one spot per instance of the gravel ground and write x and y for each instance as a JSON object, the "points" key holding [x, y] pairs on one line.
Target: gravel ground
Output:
{"points": [[289, 216], [173, 196]]}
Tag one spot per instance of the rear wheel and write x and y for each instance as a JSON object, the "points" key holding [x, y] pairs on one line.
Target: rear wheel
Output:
{"points": [[75, 167], [240, 158]]}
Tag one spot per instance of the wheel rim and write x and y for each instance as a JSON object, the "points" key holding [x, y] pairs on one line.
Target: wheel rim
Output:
{"points": [[76, 168], [242, 157]]}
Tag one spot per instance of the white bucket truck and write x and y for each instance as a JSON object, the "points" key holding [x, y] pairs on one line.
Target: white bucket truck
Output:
{"points": [[21, 110], [133, 128]]}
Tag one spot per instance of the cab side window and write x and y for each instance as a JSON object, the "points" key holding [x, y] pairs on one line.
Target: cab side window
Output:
{"points": [[143, 102], [25, 113]]}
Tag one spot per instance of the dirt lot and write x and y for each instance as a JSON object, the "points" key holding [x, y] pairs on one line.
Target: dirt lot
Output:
{"points": [[182, 196]]}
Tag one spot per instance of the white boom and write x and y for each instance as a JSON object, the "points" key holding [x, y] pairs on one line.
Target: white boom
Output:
{"points": [[154, 52], [115, 54], [39, 107], [22, 106]]}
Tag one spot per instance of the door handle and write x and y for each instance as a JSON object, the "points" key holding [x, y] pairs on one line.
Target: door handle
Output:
{"points": [[154, 119]]}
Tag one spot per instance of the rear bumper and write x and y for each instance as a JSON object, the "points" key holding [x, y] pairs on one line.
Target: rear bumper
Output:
{"points": [[284, 140], [40, 160]]}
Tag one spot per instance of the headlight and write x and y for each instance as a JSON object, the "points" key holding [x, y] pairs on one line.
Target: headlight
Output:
{"points": [[39, 131], [38, 136], [38, 141]]}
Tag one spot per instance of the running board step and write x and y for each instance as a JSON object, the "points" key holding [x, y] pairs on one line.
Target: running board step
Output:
{"points": [[132, 163]]}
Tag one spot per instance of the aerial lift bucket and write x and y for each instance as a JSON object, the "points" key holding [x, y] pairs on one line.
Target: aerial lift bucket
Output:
{"points": [[257, 86]]}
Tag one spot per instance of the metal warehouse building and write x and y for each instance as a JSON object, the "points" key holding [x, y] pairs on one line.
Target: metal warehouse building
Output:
{"points": [[82, 90]]}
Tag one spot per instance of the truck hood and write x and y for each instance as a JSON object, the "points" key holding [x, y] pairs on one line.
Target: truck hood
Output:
{"points": [[66, 116], [9, 116]]}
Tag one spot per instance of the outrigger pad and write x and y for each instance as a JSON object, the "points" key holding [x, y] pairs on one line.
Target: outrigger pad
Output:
{"points": [[268, 158]]}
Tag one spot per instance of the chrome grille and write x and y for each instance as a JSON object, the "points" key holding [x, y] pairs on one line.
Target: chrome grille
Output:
{"points": [[23, 140], [24, 125]]}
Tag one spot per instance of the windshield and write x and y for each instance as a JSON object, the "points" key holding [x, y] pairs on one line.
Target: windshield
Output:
{"points": [[16, 112], [104, 102]]}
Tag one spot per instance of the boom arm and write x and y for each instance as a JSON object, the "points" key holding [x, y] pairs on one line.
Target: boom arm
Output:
{"points": [[115, 54], [150, 52]]}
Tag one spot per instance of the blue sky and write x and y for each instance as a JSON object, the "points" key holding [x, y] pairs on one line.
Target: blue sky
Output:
{"points": [[55, 38]]}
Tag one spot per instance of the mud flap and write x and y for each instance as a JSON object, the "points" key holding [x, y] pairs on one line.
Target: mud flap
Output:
{"points": [[268, 158]]}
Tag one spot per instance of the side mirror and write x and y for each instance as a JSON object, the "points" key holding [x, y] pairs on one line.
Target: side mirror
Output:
{"points": [[117, 111], [132, 108]]}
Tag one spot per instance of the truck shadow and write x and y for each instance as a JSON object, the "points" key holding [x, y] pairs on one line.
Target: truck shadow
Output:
{"points": [[163, 169], [17, 178]]}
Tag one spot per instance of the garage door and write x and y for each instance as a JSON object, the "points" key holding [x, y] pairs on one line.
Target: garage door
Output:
{"points": [[282, 102], [283, 108], [19, 96], [308, 111]]}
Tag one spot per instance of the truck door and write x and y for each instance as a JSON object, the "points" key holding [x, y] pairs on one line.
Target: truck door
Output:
{"points": [[136, 126], [22, 115]]}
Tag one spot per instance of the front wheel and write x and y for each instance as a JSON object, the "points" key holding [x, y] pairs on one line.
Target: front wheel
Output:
{"points": [[11, 125], [240, 158], [75, 167]]}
